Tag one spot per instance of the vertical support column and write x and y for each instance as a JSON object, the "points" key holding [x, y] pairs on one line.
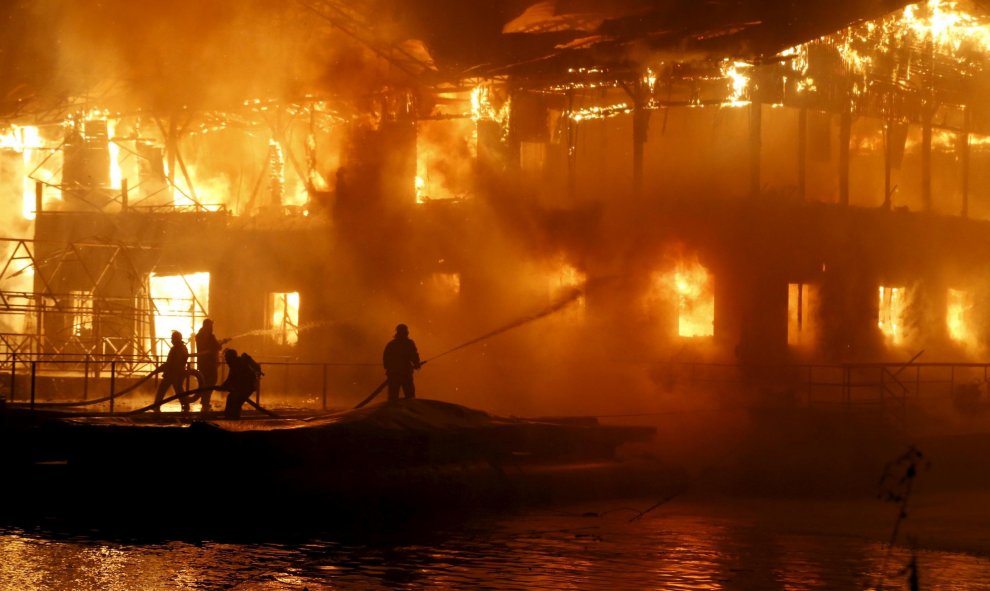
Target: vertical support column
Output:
{"points": [[170, 147], [39, 196], [324, 386], [34, 374], [926, 159], [571, 147], [888, 151], [641, 121], [802, 153], [755, 147], [927, 111], [13, 375], [964, 156], [123, 194], [113, 384], [86, 377], [845, 131]]}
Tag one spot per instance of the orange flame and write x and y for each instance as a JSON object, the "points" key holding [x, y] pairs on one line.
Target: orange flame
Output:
{"points": [[695, 299], [893, 301]]}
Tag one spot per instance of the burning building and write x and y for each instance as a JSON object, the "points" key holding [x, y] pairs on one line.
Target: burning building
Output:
{"points": [[742, 183]]}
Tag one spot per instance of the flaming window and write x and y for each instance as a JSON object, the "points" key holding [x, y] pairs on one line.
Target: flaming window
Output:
{"points": [[41, 162], [959, 308], [285, 317], [445, 152], [801, 298], [893, 302], [179, 303], [695, 299]]}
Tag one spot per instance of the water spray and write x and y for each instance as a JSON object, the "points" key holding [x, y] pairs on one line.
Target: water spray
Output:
{"points": [[571, 296]]}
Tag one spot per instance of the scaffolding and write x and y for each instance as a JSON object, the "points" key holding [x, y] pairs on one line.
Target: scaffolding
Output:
{"points": [[89, 301]]}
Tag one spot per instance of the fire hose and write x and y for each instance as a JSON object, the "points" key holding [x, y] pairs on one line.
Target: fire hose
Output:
{"points": [[113, 396], [566, 299], [195, 393]]}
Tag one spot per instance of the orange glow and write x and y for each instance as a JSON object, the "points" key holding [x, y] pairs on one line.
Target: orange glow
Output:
{"points": [[950, 29], [42, 162], [445, 288], [285, 318], [959, 306], [180, 303], [695, 299], [738, 79], [483, 105], [801, 300], [893, 302], [445, 151], [565, 279]]}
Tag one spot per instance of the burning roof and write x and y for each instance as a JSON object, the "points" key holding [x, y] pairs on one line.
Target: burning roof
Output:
{"points": [[58, 55]]}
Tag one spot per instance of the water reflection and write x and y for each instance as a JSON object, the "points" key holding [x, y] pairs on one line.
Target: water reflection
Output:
{"points": [[532, 551]]}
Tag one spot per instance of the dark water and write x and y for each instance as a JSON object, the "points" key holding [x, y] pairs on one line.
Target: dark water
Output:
{"points": [[715, 544]]}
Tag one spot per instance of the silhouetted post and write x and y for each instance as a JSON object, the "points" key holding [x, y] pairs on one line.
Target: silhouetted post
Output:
{"points": [[755, 146], [845, 131], [123, 194], [571, 147], [802, 153], [926, 159], [888, 151], [927, 107], [324, 386], [13, 375], [86, 377], [34, 373], [641, 121], [113, 383], [964, 156], [39, 196]]}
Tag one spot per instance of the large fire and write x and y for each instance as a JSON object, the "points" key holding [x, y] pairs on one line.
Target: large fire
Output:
{"points": [[892, 304], [180, 302], [285, 318], [959, 306], [692, 285]]}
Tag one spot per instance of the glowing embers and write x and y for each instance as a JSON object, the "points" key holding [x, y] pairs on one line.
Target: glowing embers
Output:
{"points": [[692, 284], [735, 73], [892, 49], [890, 317], [285, 317], [959, 309], [179, 302], [802, 299], [486, 104]]}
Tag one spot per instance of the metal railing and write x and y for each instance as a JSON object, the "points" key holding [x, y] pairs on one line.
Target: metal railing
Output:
{"points": [[853, 386], [49, 378]]}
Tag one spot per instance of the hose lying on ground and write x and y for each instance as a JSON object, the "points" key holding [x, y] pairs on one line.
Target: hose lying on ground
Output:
{"points": [[113, 396]]}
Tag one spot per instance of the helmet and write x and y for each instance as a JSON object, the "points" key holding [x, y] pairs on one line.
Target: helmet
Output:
{"points": [[176, 336], [401, 329]]}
